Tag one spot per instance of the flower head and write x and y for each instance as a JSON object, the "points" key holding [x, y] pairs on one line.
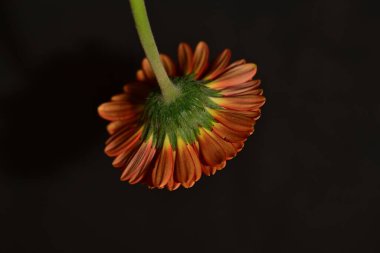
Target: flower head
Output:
{"points": [[172, 144]]}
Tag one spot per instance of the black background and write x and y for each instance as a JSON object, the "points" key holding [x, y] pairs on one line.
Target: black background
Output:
{"points": [[307, 181]]}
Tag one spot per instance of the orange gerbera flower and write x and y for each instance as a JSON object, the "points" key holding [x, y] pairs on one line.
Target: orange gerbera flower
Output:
{"points": [[173, 144]]}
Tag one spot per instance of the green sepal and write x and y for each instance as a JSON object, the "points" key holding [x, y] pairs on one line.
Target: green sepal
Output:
{"points": [[181, 118]]}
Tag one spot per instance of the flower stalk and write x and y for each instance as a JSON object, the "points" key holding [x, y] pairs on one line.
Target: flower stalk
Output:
{"points": [[169, 91]]}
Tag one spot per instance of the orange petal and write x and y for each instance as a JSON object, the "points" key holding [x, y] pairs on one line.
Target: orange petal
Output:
{"points": [[238, 146], [219, 65], [139, 160], [197, 163], [148, 71], [121, 141], [259, 92], [140, 75], [196, 147], [221, 166], [163, 169], [211, 151], [240, 103], [237, 75], [197, 166], [147, 68], [128, 149], [198, 171], [250, 87], [255, 92], [135, 87], [143, 176], [211, 170], [122, 159], [255, 115], [120, 133], [120, 97], [206, 170], [184, 171], [229, 134], [200, 59], [172, 185], [185, 58], [189, 184], [168, 65], [229, 150], [235, 64], [233, 121], [114, 126], [119, 110]]}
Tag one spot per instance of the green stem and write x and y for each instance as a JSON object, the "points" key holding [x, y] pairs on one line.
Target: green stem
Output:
{"points": [[168, 89]]}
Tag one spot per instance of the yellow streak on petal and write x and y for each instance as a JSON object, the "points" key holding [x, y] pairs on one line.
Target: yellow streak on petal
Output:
{"points": [[163, 169]]}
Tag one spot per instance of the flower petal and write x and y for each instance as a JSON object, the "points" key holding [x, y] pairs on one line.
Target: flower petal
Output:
{"points": [[206, 170], [168, 65], [211, 151], [255, 115], [120, 97], [122, 159], [211, 170], [139, 160], [185, 58], [140, 76], [172, 185], [240, 103], [235, 64], [228, 134], [235, 121], [229, 150], [144, 175], [200, 59], [234, 76], [119, 110], [147, 68], [164, 166], [197, 166], [121, 141], [184, 171], [221, 166], [128, 149], [197, 162], [238, 145], [250, 87], [219, 65], [189, 184], [148, 71], [114, 126]]}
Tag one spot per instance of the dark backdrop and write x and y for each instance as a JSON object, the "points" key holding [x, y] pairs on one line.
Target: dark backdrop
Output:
{"points": [[307, 181]]}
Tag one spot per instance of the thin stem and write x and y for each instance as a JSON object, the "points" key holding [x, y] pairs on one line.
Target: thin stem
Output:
{"points": [[169, 91]]}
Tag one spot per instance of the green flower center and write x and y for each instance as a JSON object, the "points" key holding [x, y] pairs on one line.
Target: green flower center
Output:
{"points": [[181, 118]]}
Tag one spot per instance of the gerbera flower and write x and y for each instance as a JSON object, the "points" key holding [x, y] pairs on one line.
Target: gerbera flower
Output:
{"points": [[168, 145], [179, 121]]}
